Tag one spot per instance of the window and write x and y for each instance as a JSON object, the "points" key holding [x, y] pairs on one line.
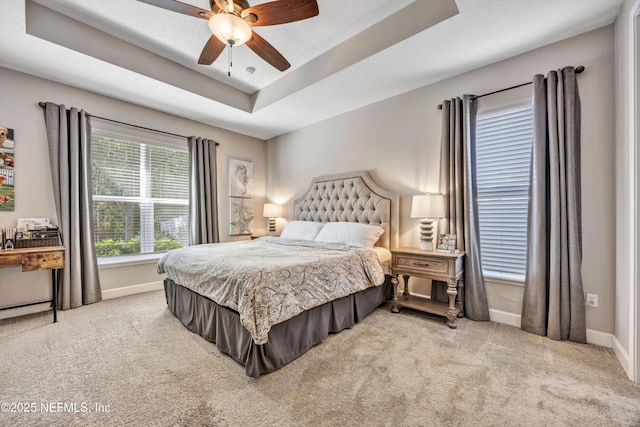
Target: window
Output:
{"points": [[140, 196], [503, 153]]}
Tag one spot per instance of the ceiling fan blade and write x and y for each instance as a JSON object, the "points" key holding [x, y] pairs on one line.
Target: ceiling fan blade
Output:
{"points": [[176, 6], [267, 52], [280, 12], [211, 51]]}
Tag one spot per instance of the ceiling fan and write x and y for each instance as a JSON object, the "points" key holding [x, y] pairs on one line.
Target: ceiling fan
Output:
{"points": [[231, 21]]}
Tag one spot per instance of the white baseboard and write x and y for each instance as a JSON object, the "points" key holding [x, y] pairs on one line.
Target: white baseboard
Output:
{"points": [[106, 294], [593, 337], [599, 338], [623, 356], [131, 290], [505, 317], [21, 311]]}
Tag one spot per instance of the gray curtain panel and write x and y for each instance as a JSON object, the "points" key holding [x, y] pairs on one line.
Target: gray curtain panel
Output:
{"points": [[553, 303], [203, 201], [69, 136], [457, 181]]}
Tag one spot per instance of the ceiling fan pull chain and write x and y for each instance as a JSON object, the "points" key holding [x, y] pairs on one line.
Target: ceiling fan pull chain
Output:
{"points": [[230, 61]]}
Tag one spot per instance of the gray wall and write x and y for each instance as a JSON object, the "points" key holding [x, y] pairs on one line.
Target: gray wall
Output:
{"points": [[19, 110], [398, 141]]}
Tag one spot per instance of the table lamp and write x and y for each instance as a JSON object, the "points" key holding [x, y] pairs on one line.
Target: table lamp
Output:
{"points": [[428, 207], [271, 211]]}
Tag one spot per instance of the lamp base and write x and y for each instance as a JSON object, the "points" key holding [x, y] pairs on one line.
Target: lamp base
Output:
{"points": [[428, 233], [426, 245], [272, 225]]}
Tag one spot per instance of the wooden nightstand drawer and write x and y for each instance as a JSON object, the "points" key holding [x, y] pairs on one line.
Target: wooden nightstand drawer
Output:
{"points": [[422, 264]]}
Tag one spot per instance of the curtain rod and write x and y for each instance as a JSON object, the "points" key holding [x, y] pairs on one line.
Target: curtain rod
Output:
{"points": [[579, 69], [43, 105]]}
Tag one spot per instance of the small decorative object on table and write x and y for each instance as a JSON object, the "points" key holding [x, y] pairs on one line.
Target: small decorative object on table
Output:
{"points": [[447, 243], [8, 236], [44, 236], [6, 240]]}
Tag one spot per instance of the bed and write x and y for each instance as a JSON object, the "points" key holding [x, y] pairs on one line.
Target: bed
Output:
{"points": [[265, 324]]}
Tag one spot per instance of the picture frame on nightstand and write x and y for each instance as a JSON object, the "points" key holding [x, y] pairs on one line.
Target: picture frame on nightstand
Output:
{"points": [[447, 243]]}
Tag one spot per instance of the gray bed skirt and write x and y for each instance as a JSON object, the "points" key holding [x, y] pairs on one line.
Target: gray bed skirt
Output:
{"points": [[287, 340]]}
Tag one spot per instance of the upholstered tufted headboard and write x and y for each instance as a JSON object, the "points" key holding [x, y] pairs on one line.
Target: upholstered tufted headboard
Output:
{"points": [[350, 197]]}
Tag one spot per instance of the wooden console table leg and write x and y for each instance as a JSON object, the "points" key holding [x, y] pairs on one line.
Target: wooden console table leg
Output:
{"points": [[452, 313], [395, 306], [406, 277], [460, 298]]}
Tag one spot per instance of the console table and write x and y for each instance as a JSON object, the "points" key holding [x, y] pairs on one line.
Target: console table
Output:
{"points": [[34, 259], [432, 265]]}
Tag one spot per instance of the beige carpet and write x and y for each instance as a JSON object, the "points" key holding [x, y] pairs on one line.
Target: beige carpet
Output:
{"points": [[132, 357]]}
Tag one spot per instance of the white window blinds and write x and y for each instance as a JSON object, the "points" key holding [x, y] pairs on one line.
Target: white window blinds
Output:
{"points": [[140, 196], [503, 154]]}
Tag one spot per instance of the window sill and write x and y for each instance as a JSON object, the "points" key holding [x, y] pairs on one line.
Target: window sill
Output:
{"points": [[504, 279], [126, 260]]}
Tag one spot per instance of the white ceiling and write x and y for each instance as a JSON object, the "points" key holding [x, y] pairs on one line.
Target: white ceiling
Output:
{"points": [[354, 53]]}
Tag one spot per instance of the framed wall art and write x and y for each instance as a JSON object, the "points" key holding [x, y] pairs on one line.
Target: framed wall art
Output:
{"points": [[7, 164], [240, 216], [240, 178]]}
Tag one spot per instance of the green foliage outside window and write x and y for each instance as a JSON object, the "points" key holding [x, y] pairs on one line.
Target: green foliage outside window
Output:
{"points": [[110, 247]]}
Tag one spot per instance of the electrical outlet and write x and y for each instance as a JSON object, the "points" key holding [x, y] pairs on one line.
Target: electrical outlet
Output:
{"points": [[592, 300]]}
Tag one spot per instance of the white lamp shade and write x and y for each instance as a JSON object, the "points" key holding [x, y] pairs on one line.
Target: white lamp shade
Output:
{"points": [[230, 29], [271, 210], [430, 205]]}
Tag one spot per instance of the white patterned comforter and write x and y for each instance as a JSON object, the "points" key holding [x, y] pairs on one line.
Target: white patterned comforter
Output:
{"points": [[270, 280]]}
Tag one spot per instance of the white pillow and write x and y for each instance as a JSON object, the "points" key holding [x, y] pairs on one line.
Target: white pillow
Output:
{"points": [[301, 230], [350, 233]]}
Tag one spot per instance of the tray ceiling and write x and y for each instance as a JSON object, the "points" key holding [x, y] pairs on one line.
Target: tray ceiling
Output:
{"points": [[352, 54]]}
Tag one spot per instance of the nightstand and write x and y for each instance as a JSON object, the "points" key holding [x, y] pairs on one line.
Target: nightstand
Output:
{"points": [[257, 236], [432, 265]]}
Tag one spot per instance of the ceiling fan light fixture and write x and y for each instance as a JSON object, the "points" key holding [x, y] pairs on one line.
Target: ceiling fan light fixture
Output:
{"points": [[230, 29]]}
